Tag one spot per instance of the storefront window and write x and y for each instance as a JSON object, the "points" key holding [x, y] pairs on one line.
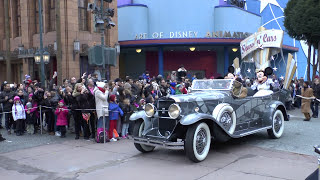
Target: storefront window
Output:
{"points": [[83, 15]]}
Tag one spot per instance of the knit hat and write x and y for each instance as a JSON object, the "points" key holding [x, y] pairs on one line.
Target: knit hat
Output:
{"points": [[101, 84], [16, 98], [61, 101], [29, 105], [27, 76], [112, 97]]}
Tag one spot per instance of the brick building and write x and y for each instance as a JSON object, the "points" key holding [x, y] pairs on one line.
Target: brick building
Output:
{"points": [[77, 25]]}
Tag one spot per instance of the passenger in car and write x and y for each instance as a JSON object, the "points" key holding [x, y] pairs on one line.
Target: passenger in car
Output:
{"points": [[262, 82], [238, 91], [263, 85]]}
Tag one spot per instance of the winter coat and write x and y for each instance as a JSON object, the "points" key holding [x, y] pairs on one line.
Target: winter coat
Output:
{"points": [[101, 102], [84, 102], [18, 112], [316, 90], [305, 103], [62, 116], [127, 111], [6, 104], [32, 117], [114, 111]]}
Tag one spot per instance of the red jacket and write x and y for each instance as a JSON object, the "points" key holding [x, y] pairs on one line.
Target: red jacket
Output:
{"points": [[62, 116]]}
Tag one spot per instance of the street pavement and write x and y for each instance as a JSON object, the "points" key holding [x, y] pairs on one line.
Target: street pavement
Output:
{"points": [[253, 157]]}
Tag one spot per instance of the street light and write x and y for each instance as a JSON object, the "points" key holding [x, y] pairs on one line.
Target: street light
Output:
{"points": [[46, 57], [37, 58]]}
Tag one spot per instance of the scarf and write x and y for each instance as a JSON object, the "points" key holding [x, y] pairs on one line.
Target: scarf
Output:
{"points": [[101, 89]]}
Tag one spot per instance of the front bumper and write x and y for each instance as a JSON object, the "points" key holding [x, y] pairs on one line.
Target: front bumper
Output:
{"points": [[160, 143]]}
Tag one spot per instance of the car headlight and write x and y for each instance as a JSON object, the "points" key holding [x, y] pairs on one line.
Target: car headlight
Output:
{"points": [[149, 109], [174, 111]]}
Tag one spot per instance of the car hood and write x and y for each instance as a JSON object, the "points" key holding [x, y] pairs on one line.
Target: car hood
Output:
{"points": [[194, 96]]}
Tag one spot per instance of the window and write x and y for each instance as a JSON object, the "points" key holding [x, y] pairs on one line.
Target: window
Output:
{"points": [[52, 15], [37, 24], [18, 20], [83, 15]]}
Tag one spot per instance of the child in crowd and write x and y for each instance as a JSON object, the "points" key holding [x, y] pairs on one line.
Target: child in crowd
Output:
{"points": [[62, 117], [18, 114], [127, 111], [114, 111], [30, 117]]}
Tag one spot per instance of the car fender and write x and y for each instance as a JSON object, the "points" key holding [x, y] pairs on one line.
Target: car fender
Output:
{"points": [[195, 117], [141, 115], [271, 108]]}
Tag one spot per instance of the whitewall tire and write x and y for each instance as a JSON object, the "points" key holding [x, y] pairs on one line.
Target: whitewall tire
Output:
{"points": [[226, 116], [197, 142], [277, 125]]}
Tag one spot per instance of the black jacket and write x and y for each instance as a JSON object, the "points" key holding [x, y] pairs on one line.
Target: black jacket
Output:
{"points": [[7, 106], [127, 111], [316, 90], [84, 102]]}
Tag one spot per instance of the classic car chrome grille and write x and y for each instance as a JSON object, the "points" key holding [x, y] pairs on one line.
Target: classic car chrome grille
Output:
{"points": [[166, 126], [163, 106]]}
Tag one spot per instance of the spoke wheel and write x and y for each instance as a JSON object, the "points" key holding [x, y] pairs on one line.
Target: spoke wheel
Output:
{"points": [[277, 125], [197, 142], [137, 132]]}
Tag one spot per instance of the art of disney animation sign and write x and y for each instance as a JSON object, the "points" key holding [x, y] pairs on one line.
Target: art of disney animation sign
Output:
{"points": [[264, 39]]}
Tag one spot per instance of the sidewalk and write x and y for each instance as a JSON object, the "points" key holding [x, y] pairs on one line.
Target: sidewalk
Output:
{"points": [[120, 160]]}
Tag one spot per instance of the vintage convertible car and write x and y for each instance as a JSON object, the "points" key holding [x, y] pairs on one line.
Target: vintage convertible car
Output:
{"points": [[209, 112]]}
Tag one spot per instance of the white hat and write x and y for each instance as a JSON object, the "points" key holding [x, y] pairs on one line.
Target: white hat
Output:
{"points": [[100, 84]]}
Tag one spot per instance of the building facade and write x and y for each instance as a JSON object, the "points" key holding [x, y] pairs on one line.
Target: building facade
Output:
{"points": [[78, 34], [204, 36]]}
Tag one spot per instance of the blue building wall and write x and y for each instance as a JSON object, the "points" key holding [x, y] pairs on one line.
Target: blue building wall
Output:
{"points": [[133, 20], [230, 18], [165, 16]]}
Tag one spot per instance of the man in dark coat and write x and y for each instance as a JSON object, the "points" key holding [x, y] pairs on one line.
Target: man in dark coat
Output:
{"points": [[6, 98], [316, 93]]}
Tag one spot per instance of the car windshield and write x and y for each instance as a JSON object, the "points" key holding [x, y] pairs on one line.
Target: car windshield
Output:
{"points": [[212, 84]]}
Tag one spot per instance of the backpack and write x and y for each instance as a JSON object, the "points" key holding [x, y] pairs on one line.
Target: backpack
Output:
{"points": [[100, 135]]}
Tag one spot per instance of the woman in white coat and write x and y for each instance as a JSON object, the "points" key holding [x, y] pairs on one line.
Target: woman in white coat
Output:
{"points": [[101, 94]]}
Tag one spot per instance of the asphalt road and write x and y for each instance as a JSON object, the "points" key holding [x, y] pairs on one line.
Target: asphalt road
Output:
{"points": [[253, 157], [299, 137]]}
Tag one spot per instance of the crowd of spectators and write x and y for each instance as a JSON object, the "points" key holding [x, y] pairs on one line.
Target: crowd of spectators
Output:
{"points": [[79, 105]]}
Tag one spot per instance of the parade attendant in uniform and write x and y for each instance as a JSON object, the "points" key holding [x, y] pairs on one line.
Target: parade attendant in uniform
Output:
{"points": [[307, 96]]}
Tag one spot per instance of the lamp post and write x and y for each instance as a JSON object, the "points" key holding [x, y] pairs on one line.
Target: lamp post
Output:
{"points": [[40, 55]]}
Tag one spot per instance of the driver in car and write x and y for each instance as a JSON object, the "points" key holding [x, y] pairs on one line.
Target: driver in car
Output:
{"points": [[238, 91]]}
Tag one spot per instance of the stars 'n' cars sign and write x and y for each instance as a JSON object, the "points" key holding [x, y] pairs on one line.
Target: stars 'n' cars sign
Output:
{"points": [[264, 39]]}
